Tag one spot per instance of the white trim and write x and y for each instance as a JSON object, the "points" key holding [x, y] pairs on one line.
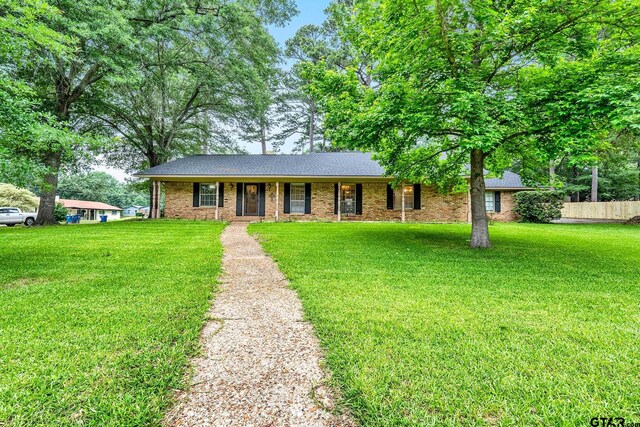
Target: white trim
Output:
{"points": [[217, 198], [402, 203], [339, 207]]}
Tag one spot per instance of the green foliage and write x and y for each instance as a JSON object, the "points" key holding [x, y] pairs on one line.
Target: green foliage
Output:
{"points": [[538, 206], [17, 197], [54, 79], [60, 212], [618, 175], [105, 334], [101, 187], [200, 70], [419, 331], [453, 76], [482, 83]]}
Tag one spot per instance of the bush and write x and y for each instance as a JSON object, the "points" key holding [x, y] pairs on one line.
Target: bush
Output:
{"points": [[60, 212], [17, 198], [538, 206]]}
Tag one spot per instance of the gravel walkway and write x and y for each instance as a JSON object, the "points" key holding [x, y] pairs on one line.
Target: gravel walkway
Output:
{"points": [[261, 363]]}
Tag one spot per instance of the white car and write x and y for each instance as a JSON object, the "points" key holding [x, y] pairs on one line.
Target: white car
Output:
{"points": [[12, 216]]}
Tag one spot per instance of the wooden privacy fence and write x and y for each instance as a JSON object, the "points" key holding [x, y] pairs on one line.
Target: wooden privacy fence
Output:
{"points": [[601, 210]]}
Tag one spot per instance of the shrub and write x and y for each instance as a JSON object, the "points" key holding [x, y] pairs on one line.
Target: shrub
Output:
{"points": [[60, 212], [17, 197], [538, 206]]}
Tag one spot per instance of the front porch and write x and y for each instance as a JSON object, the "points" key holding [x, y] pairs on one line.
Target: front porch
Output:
{"points": [[280, 200]]}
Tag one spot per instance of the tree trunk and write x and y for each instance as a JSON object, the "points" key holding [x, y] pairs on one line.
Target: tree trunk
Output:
{"points": [[263, 138], [479, 221], [594, 184], [312, 124], [575, 196], [154, 202], [46, 207], [552, 175]]}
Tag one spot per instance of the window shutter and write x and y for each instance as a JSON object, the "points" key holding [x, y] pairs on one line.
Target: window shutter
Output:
{"points": [[417, 197], [496, 200], [196, 194], [358, 199], [261, 198], [335, 198], [221, 195], [307, 198], [240, 190], [287, 198], [389, 196]]}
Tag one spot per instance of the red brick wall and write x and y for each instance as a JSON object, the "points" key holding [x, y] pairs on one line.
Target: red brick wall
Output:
{"points": [[507, 203], [435, 207]]}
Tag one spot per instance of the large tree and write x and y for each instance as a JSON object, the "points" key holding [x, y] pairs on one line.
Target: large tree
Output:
{"points": [[23, 29], [462, 84], [299, 115], [198, 68], [99, 38]]}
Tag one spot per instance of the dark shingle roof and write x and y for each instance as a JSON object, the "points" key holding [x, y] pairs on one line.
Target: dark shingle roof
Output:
{"points": [[342, 164], [314, 164], [508, 180]]}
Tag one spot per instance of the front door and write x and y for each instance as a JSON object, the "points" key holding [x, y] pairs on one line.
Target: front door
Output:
{"points": [[251, 199]]}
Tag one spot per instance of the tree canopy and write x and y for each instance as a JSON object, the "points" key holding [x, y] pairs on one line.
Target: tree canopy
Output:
{"points": [[15, 197], [101, 187], [477, 85], [161, 78]]}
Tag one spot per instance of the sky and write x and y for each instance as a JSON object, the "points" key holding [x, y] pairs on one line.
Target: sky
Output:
{"points": [[310, 12]]}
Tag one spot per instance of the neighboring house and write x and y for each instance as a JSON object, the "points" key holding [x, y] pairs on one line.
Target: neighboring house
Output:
{"points": [[90, 210], [131, 210], [144, 210], [317, 186]]}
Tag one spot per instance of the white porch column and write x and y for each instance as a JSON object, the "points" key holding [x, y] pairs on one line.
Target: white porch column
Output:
{"points": [[469, 204], [403, 191], [339, 201], [277, 200], [217, 198], [154, 190], [158, 191]]}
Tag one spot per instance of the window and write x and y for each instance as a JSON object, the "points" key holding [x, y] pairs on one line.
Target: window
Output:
{"points": [[408, 197], [489, 201], [207, 194], [114, 212], [348, 199], [297, 198]]}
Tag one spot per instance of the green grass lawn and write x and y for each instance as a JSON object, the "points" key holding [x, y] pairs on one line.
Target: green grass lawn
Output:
{"points": [[97, 322], [542, 329]]}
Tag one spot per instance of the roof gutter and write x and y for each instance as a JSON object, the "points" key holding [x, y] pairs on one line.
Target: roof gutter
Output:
{"points": [[235, 178]]}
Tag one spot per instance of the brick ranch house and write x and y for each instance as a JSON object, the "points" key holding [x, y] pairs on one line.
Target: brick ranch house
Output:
{"points": [[316, 186]]}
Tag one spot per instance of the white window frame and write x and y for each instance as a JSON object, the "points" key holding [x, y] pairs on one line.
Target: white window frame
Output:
{"points": [[353, 188], [408, 198], [297, 203], [211, 200], [490, 201]]}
